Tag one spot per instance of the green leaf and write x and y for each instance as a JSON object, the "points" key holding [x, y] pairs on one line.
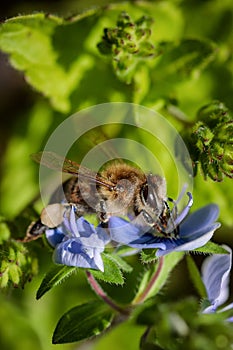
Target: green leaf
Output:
{"points": [[148, 255], [112, 271], [178, 62], [169, 262], [83, 322], [47, 49], [123, 265], [196, 277], [211, 248], [56, 275], [59, 58]]}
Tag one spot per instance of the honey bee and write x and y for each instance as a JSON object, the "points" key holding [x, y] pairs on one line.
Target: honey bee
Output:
{"points": [[119, 189]]}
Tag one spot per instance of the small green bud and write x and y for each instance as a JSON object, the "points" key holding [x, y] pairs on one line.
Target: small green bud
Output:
{"points": [[21, 258], [211, 141], [217, 151], [17, 265], [144, 22], [4, 266], [213, 113], [14, 274], [128, 44], [11, 255], [223, 130], [123, 19], [4, 278]]}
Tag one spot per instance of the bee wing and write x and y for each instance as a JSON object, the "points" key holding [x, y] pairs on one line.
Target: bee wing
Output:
{"points": [[98, 137], [55, 162]]}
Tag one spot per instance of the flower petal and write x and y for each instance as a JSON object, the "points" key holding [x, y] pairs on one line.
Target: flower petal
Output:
{"points": [[102, 234], [200, 220], [148, 241], [215, 275], [70, 222], [54, 235], [85, 228], [181, 245], [98, 260], [122, 231], [73, 253]]}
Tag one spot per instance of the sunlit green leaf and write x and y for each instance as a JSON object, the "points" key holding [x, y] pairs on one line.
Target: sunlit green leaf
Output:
{"points": [[177, 62], [36, 46]]}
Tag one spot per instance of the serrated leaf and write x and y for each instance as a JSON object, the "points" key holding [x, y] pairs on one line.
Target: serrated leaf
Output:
{"points": [[43, 48], [167, 265], [55, 276], [196, 277], [123, 265], [112, 272], [83, 322], [211, 248], [179, 60], [56, 57], [148, 255]]}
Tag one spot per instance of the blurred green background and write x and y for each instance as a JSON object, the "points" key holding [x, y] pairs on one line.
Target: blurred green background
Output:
{"points": [[28, 118]]}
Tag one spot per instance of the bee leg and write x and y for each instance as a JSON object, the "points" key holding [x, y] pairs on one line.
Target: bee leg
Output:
{"points": [[103, 216]]}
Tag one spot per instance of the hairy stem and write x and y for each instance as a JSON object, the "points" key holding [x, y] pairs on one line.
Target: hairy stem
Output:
{"points": [[100, 292], [141, 297]]}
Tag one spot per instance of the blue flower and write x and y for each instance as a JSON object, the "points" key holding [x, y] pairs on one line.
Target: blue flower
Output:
{"points": [[77, 242], [216, 277], [191, 231]]}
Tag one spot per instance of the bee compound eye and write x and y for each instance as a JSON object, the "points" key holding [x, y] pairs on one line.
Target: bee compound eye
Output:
{"points": [[52, 215]]}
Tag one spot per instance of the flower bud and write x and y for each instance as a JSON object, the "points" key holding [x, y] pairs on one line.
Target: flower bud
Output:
{"points": [[211, 141], [127, 43]]}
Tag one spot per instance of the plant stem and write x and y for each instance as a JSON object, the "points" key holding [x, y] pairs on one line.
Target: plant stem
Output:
{"points": [[141, 297], [100, 292]]}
